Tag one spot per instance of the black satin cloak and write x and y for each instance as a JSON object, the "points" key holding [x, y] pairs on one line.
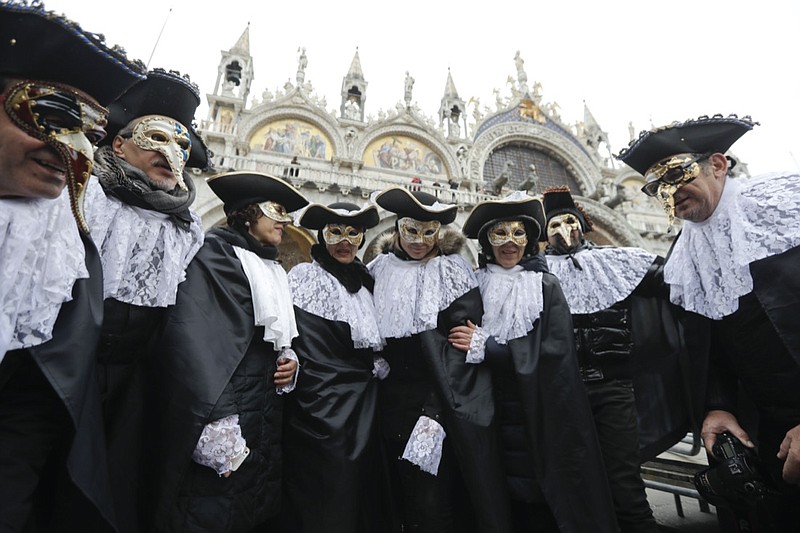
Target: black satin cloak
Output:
{"points": [[330, 433], [209, 338], [568, 462]]}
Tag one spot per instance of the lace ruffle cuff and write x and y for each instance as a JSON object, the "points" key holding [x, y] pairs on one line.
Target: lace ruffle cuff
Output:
{"points": [[221, 445], [477, 346], [288, 353], [424, 446], [380, 367]]}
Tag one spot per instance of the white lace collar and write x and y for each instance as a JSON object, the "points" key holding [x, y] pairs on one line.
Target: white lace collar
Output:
{"points": [[316, 291], [708, 269], [272, 303], [608, 276], [512, 301], [409, 295], [41, 257], [144, 252]]}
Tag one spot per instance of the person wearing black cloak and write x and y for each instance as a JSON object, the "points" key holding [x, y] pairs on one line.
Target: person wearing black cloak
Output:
{"points": [[137, 206], [222, 361], [552, 459], [736, 263], [330, 432], [55, 81], [436, 407]]}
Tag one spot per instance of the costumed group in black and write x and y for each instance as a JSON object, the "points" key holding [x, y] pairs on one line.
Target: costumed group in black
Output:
{"points": [[156, 376]]}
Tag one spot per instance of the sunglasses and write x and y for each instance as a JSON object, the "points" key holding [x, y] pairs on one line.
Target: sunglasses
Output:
{"points": [[674, 175]]}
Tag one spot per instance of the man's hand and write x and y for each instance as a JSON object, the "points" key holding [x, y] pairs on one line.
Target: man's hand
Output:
{"points": [[790, 452], [285, 372], [461, 336], [718, 421]]}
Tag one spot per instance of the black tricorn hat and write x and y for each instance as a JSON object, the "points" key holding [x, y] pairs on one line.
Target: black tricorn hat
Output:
{"points": [[696, 136], [163, 93], [40, 45], [240, 189], [558, 200], [416, 204], [517, 205], [317, 216]]}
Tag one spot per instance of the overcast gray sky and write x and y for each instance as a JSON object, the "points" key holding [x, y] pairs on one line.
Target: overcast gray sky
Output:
{"points": [[642, 61]]}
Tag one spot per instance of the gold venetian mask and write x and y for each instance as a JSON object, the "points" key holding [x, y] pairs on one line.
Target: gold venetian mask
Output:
{"points": [[508, 231], [275, 211], [667, 176], [336, 233], [417, 232], [168, 137], [564, 224]]}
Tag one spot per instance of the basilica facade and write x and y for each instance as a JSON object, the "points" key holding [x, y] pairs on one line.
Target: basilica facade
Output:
{"points": [[467, 154]]}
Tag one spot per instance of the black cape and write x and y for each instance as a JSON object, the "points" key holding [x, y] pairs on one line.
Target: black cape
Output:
{"points": [[68, 363], [330, 436], [559, 420], [211, 362]]}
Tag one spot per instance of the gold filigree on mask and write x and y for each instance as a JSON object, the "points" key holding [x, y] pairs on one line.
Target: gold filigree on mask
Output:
{"points": [[417, 232], [275, 211], [508, 231], [564, 225], [168, 137], [667, 177], [336, 233]]}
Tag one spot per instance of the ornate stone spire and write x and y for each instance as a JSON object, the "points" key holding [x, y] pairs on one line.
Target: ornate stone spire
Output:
{"points": [[355, 71], [450, 91], [242, 46], [354, 92], [452, 111]]}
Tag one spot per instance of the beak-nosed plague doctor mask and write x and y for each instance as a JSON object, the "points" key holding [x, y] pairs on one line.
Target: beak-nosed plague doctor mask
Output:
{"points": [[564, 224], [666, 177], [68, 122], [168, 137], [336, 233], [415, 231], [508, 231], [275, 211]]}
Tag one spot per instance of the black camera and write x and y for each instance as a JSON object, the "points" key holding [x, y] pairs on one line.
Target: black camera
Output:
{"points": [[739, 477]]}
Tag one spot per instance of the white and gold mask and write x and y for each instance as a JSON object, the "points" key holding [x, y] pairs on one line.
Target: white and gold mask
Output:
{"points": [[415, 231], [508, 231], [336, 233], [564, 224], [168, 137], [275, 211]]}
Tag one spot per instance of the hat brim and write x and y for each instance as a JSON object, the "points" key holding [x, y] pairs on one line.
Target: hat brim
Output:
{"points": [[240, 189], [40, 45], [317, 216], [698, 136], [496, 210], [407, 204]]}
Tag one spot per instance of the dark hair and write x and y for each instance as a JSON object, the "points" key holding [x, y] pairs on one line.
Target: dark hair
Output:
{"points": [[240, 218], [4, 83]]}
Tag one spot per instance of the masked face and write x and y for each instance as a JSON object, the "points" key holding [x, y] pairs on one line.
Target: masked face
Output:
{"points": [[666, 177], [415, 231], [67, 121], [508, 231], [336, 233], [564, 232], [275, 211], [168, 137]]}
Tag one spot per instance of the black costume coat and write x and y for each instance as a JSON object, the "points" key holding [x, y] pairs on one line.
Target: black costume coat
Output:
{"points": [[330, 435], [212, 362], [68, 363], [559, 421]]}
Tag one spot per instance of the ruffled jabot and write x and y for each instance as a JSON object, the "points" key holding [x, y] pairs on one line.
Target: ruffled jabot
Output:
{"points": [[708, 269], [41, 257], [606, 276], [512, 301]]}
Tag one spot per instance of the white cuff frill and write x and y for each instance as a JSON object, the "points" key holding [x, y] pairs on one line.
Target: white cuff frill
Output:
{"points": [[288, 353], [477, 346], [221, 445], [424, 446], [380, 367]]}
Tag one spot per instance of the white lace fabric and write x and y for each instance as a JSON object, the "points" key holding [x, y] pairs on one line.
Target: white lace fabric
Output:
{"points": [[709, 267], [477, 346], [41, 257], [144, 253], [316, 291], [608, 276], [424, 446], [409, 295], [288, 353], [512, 301], [220, 444], [272, 302]]}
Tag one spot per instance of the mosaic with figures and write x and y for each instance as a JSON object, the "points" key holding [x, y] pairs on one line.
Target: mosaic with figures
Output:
{"points": [[292, 137]]}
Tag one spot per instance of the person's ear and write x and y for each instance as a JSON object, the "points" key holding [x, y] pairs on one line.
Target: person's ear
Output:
{"points": [[719, 164], [116, 145]]}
